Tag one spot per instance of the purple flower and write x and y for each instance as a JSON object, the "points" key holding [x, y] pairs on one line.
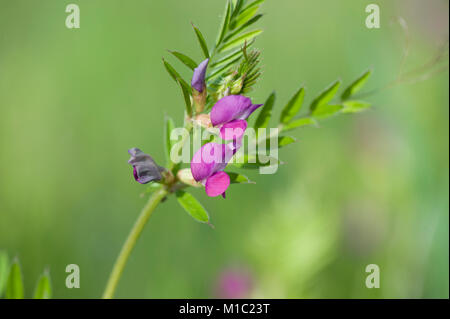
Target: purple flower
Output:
{"points": [[230, 113], [145, 169], [234, 283], [198, 79], [231, 108], [207, 167]]}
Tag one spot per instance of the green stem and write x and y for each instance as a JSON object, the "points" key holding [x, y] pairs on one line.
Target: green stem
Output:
{"points": [[129, 244]]}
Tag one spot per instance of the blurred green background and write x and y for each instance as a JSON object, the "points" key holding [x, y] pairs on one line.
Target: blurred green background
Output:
{"points": [[365, 189]]}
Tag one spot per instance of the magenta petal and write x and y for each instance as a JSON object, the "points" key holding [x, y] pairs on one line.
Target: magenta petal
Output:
{"points": [[217, 184], [248, 111], [229, 108], [233, 130], [209, 159]]}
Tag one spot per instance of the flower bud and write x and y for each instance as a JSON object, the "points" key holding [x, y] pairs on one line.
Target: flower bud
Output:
{"points": [[185, 176]]}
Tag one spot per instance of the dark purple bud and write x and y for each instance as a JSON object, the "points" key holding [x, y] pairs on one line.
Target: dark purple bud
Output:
{"points": [[145, 169], [198, 79]]}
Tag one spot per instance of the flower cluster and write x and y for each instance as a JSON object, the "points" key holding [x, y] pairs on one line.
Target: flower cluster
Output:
{"points": [[229, 114]]}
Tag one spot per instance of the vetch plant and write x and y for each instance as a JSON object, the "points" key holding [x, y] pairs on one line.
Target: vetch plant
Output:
{"points": [[216, 102]]}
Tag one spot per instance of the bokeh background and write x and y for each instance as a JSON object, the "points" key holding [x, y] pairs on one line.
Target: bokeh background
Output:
{"points": [[365, 189]]}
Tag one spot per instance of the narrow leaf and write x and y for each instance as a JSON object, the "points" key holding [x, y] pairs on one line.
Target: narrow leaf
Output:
{"points": [[298, 123], [245, 16], [255, 161], [171, 70], [192, 206], [169, 125], [326, 110], [225, 22], [43, 288], [243, 27], [186, 90], [356, 85], [185, 59], [254, 3], [236, 178], [14, 287], [282, 141], [201, 41], [326, 96], [264, 116], [293, 107], [355, 106], [246, 37], [222, 68], [4, 271]]}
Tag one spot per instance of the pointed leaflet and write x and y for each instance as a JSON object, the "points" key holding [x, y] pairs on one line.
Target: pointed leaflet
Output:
{"points": [[356, 85], [201, 41], [236, 178], [4, 271], [243, 27], [282, 141], [14, 287], [264, 116], [186, 90], [192, 206], [293, 106], [43, 288], [298, 123], [326, 96], [246, 37], [225, 22], [326, 110], [355, 106], [255, 161], [185, 59], [169, 125]]}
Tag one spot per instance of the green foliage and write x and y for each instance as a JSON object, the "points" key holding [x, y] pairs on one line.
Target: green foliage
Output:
{"points": [[293, 107], [185, 88], [201, 41], [11, 282], [185, 59], [236, 178], [326, 96], [4, 271], [255, 161], [356, 85], [14, 287], [266, 112], [192, 206], [354, 106], [43, 288]]}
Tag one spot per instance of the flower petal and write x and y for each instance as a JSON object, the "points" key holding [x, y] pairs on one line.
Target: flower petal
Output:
{"points": [[233, 130], [229, 108], [145, 169], [248, 111], [198, 79], [217, 184]]}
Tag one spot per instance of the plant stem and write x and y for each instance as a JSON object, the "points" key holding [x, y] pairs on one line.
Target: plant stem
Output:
{"points": [[129, 244]]}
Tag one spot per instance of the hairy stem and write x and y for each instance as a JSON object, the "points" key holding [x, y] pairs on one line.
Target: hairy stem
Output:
{"points": [[129, 244]]}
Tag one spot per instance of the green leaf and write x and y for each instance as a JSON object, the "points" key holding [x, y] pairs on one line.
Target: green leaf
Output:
{"points": [[236, 178], [171, 70], [14, 287], [246, 37], [356, 85], [201, 41], [355, 106], [4, 271], [326, 96], [237, 9], [254, 3], [43, 288], [169, 125], [192, 206], [225, 22], [298, 123], [254, 161], [245, 16], [282, 141], [326, 110], [243, 27], [186, 90], [185, 59], [266, 112], [293, 107], [220, 69]]}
